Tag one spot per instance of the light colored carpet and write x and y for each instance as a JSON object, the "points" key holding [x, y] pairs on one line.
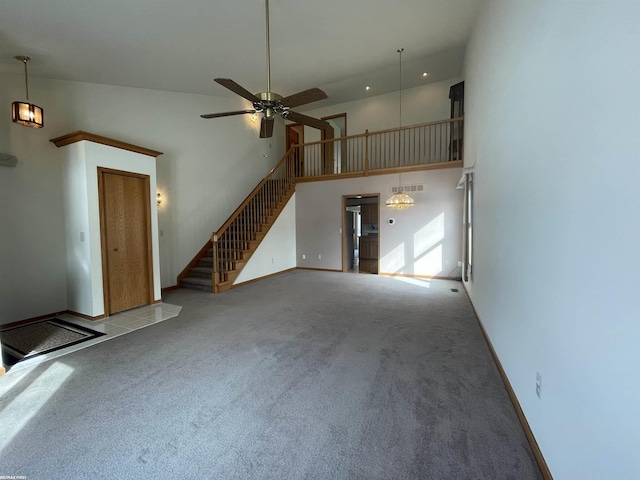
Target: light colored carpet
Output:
{"points": [[312, 375]]}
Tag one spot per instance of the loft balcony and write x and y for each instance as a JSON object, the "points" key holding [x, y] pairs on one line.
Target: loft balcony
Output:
{"points": [[416, 147]]}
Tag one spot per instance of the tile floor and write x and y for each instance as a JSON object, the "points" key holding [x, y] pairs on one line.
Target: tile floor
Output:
{"points": [[113, 326]]}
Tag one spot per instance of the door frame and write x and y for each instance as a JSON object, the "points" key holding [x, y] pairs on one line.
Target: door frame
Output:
{"points": [[331, 117], [344, 224], [103, 240], [328, 148], [299, 129]]}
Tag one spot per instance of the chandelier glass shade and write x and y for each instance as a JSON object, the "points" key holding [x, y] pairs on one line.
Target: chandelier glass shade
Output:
{"points": [[399, 201]]}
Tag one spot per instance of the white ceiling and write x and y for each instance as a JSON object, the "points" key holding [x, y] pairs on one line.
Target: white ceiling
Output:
{"points": [[181, 45]]}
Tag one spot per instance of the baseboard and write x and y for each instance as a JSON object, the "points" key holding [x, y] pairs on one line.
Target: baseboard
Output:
{"points": [[19, 323], [428, 277], [168, 289], [537, 453], [86, 317], [318, 269], [262, 278]]}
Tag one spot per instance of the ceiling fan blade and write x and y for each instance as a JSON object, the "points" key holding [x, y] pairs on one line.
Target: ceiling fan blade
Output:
{"points": [[304, 119], [266, 127], [227, 114], [302, 98], [237, 89]]}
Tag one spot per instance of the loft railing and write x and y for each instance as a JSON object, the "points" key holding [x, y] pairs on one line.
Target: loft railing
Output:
{"points": [[236, 235], [415, 145], [355, 155]]}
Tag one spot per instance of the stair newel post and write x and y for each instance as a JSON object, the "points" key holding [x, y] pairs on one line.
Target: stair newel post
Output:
{"points": [[215, 277], [366, 152]]}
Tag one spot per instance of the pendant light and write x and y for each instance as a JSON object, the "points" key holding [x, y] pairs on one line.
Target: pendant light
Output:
{"points": [[400, 200], [25, 113]]}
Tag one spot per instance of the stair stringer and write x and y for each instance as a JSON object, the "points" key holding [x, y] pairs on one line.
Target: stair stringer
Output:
{"points": [[277, 250], [226, 283]]}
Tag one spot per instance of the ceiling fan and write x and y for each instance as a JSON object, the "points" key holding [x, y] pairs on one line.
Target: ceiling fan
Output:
{"points": [[269, 103]]}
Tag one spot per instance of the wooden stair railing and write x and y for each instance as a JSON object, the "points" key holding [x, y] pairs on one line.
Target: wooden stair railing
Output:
{"points": [[381, 152], [219, 262], [231, 246]]}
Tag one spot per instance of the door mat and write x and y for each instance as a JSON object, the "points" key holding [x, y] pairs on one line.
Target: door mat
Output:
{"points": [[28, 341]]}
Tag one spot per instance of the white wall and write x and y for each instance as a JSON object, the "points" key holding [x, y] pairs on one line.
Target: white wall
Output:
{"points": [[428, 103], [277, 251], [32, 244], [552, 128], [202, 158], [80, 285], [424, 241], [85, 292]]}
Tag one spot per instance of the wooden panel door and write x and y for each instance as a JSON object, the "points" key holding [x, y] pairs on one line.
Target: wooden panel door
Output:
{"points": [[126, 235], [295, 136]]}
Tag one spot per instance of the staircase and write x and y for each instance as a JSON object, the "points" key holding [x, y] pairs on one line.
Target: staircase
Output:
{"points": [[219, 262]]}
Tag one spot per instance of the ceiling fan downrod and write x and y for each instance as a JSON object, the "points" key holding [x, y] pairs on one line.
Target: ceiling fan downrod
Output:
{"points": [[266, 3]]}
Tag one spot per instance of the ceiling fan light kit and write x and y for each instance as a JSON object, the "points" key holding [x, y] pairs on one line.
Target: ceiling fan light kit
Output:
{"points": [[25, 113], [270, 103]]}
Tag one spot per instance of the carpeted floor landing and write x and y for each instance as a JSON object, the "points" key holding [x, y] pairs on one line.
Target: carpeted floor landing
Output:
{"points": [[307, 375]]}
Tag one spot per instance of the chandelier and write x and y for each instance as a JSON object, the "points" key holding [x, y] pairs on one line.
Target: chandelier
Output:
{"points": [[25, 113], [400, 200]]}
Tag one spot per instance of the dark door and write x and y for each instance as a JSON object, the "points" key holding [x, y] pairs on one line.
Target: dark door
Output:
{"points": [[456, 95], [294, 138]]}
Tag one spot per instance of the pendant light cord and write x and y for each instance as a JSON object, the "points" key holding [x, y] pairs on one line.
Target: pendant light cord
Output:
{"points": [[400, 50]]}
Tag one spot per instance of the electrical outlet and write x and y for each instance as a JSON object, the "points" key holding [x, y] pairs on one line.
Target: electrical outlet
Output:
{"points": [[319, 257], [304, 256], [272, 260], [538, 384], [459, 263]]}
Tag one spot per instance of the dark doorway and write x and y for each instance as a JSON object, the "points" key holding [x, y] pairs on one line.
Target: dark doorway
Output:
{"points": [[295, 136], [360, 239]]}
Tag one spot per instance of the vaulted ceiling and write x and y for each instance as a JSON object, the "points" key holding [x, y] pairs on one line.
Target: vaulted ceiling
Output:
{"points": [[338, 45]]}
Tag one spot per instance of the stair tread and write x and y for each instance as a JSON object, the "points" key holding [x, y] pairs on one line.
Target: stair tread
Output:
{"points": [[202, 269], [240, 242], [197, 280]]}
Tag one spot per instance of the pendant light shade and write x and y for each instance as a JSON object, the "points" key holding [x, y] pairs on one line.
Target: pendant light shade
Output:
{"points": [[26, 113], [400, 200]]}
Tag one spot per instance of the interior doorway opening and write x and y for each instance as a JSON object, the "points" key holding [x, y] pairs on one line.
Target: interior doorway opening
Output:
{"points": [[295, 136], [336, 150], [360, 233]]}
